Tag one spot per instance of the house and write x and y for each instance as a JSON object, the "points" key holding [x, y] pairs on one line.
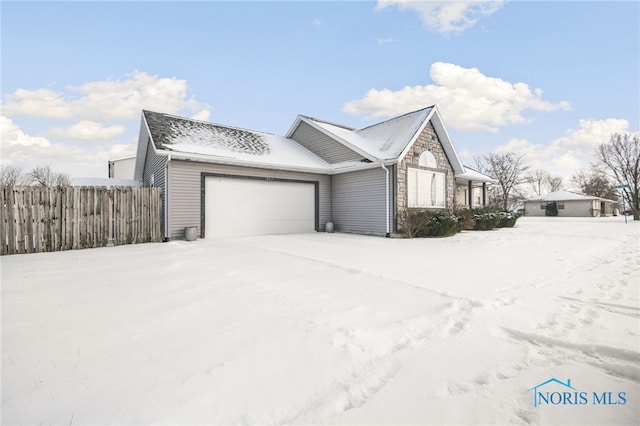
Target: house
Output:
{"points": [[228, 181], [570, 204], [122, 168]]}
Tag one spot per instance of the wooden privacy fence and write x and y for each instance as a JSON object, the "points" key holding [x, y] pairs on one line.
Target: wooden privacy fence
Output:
{"points": [[41, 219]]}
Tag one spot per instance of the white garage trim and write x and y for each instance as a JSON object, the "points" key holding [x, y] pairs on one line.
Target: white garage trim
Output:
{"points": [[233, 205]]}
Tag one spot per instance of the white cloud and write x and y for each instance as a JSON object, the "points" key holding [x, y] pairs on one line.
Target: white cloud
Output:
{"points": [[568, 154], [469, 100], [93, 111], [23, 150], [12, 136], [202, 115], [447, 16], [104, 100], [87, 130]]}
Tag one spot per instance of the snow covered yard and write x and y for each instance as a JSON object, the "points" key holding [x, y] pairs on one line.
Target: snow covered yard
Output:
{"points": [[329, 329]]}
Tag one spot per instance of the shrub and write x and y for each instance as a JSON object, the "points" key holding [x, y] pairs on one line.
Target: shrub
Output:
{"points": [[441, 224], [424, 223], [508, 219], [466, 222], [552, 209], [413, 222], [486, 219]]}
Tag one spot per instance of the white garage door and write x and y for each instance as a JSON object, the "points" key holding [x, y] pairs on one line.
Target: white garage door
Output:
{"points": [[237, 206]]}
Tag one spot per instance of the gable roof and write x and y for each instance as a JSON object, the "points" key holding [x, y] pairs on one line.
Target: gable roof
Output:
{"points": [[566, 196], [474, 175], [382, 141], [388, 140], [178, 135]]}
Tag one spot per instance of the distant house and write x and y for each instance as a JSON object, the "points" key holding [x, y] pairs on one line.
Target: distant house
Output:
{"points": [[228, 181], [570, 204], [122, 168]]}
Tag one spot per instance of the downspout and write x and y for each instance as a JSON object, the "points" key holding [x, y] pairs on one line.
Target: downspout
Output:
{"points": [[166, 198], [386, 198]]}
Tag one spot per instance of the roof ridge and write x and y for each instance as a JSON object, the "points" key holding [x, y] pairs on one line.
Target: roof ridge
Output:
{"points": [[328, 122], [396, 117], [210, 123]]}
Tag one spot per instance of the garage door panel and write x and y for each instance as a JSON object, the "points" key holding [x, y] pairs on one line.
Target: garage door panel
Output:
{"points": [[238, 206]]}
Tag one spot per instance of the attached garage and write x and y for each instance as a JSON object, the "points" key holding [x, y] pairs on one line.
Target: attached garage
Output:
{"points": [[240, 206]]}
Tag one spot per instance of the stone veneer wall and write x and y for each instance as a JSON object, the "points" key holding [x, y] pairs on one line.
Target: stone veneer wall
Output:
{"points": [[427, 141]]}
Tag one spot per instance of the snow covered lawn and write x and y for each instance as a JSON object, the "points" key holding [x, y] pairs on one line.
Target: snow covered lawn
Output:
{"points": [[329, 329]]}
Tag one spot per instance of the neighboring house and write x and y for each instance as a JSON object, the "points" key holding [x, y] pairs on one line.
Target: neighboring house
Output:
{"points": [[228, 181], [570, 204], [122, 168]]}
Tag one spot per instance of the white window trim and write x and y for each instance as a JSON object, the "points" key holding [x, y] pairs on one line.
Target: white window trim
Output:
{"points": [[426, 195]]}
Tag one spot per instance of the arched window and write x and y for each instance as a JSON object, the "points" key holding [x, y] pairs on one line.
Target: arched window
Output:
{"points": [[428, 160]]}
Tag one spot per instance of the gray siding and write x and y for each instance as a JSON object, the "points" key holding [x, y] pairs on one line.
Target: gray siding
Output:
{"points": [[322, 145], [359, 203], [154, 168], [185, 193]]}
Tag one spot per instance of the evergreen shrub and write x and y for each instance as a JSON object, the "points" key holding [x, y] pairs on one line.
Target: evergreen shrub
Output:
{"points": [[486, 219], [508, 219], [426, 223]]}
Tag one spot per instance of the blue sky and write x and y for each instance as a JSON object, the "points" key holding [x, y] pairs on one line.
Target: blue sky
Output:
{"points": [[549, 79]]}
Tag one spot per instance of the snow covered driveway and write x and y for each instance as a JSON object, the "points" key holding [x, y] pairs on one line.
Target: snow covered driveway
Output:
{"points": [[329, 329]]}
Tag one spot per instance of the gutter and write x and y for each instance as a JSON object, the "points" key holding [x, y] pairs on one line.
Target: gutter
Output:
{"points": [[386, 193], [203, 158], [166, 199]]}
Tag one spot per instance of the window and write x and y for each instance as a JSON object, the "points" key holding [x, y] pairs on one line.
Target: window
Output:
{"points": [[560, 205], [425, 189], [427, 160], [543, 206]]}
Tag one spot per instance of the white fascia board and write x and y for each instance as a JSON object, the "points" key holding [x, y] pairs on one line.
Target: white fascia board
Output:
{"points": [[441, 130], [141, 154], [229, 161], [340, 140], [416, 135], [293, 127], [362, 166], [201, 158]]}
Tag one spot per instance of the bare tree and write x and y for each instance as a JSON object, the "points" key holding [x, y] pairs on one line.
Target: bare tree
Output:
{"points": [[555, 183], [620, 158], [509, 170], [12, 176], [44, 176], [538, 181], [595, 182], [541, 182]]}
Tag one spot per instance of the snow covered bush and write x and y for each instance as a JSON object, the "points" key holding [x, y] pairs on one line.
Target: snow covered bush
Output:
{"points": [[486, 219], [441, 224], [508, 219], [552, 209], [426, 223]]}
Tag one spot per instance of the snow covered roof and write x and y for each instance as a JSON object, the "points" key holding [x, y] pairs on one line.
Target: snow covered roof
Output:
{"points": [[186, 136], [474, 175], [566, 196], [387, 141]]}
